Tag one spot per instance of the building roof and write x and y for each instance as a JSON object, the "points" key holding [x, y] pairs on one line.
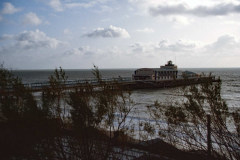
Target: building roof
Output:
{"points": [[167, 67], [188, 72], [158, 69]]}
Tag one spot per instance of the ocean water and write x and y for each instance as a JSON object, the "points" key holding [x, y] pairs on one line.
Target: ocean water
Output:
{"points": [[230, 83]]}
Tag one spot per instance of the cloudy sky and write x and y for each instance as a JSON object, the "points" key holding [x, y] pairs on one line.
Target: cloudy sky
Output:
{"points": [[75, 34]]}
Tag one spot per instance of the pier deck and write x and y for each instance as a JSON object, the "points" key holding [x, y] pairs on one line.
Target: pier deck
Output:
{"points": [[126, 83]]}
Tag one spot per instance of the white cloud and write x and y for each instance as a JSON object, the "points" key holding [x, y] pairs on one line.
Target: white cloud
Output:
{"points": [[146, 30], [142, 47], [1, 18], [87, 4], [229, 1], [29, 40], [225, 45], [80, 5], [180, 45], [105, 20], [84, 50], [36, 39], [201, 8], [201, 11], [6, 37], [56, 5], [180, 20], [8, 8], [231, 22], [59, 5], [31, 19], [105, 8], [74, 51], [66, 31], [110, 32], [164, 46]]}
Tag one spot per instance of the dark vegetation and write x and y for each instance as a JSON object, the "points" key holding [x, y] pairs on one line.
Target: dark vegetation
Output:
{"points": [[201, 113], [92, 122]]}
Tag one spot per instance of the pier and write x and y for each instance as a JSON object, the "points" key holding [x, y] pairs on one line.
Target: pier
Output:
{"points": [[125, 83], [143, 84]]}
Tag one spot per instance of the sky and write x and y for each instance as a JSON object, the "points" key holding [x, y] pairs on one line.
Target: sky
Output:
{"points": [[77, 34]]}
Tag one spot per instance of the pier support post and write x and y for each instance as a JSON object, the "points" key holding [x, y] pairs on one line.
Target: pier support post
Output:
{"points": [[209, 142]]}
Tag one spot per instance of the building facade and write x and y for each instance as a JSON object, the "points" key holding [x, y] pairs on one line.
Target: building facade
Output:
{"points": [[167, 72]]}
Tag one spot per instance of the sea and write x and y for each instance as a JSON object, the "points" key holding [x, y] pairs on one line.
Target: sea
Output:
{"points": [[143, 97], [146, 97]]}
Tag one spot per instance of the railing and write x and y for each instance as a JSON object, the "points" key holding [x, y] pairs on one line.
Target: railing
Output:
{"points": [[36, 86], [72, 83]]}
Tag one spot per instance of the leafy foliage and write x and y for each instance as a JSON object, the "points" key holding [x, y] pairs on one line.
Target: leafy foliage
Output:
{"points": [[187, 121], [67, 123]]}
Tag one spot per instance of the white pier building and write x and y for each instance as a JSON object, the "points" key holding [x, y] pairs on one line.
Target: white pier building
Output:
{"points": [[167, 72]]}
